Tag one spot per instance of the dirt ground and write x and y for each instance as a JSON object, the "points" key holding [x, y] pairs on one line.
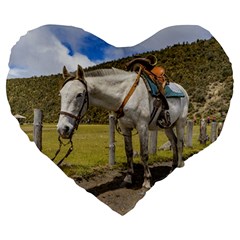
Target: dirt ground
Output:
{"points": [[106, 185]]}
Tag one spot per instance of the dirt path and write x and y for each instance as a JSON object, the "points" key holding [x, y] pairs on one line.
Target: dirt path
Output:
{"points": [[106, 186]]}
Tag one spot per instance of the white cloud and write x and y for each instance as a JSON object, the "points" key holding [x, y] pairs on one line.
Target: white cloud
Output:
{"points": [[111, 53], [162, 39], [172, 35], [39, 52]]}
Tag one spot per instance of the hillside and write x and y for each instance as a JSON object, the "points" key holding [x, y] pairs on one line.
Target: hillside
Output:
{"points": [[202, 68]]}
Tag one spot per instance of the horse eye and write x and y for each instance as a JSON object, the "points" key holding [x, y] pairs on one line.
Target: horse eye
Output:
{"points": [[79, 95]]}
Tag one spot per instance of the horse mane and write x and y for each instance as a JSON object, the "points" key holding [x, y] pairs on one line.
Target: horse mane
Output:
{"points": [[105, 72]]}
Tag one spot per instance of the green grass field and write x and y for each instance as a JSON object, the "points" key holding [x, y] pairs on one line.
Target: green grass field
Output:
{"points": [[91, 147]]}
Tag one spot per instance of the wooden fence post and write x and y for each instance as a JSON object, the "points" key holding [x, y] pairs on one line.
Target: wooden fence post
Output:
{"points": [[111, 139], [189, 133], [37, 128], [203, 131], [153, 135], [213, 132], [219, 128]]}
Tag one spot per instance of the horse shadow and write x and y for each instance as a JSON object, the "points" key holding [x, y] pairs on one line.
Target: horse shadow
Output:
{"points": [[158, 173]]}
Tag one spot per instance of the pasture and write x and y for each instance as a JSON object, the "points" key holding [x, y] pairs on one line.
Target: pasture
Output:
{"points": [[91, 148]]}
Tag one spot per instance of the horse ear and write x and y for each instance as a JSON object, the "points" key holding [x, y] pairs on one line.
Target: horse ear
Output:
{"points": [[65, 73], [80, 73]]}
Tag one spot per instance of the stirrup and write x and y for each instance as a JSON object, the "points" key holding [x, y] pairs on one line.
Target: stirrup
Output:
{"points": [[164, 119]]}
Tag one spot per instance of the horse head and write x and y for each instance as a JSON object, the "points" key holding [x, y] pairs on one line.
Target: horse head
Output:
{"points": [[74, 102]]}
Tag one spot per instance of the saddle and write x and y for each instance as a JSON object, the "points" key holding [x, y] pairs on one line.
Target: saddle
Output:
{"points": [[149, 70]]}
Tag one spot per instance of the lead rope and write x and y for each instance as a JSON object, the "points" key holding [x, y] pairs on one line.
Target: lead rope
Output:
{"points": [[59, 149]]}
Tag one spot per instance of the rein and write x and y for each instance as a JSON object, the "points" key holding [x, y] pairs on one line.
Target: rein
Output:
{"points": [[59, 149], [77, 118]]}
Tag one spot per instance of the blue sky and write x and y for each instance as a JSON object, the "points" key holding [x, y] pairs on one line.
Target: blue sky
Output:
{"points": [[47, 49]]}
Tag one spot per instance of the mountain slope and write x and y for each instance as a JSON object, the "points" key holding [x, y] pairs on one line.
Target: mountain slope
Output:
{"points": [[202, 68]]}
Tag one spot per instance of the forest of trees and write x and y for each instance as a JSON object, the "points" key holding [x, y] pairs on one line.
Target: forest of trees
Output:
{"points": [[202, 68]]}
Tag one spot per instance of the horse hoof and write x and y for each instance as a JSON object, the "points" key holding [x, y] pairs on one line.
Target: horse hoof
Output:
{"points": [[127, 181], [125, 184], [181, 164], [146, 184]]}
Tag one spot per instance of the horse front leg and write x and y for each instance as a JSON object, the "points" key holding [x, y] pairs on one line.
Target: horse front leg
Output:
{"points": [[129, 155], [143, 137]]}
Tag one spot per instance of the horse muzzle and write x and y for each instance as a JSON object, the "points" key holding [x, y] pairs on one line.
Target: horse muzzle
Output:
{"points": [[65, 131]]}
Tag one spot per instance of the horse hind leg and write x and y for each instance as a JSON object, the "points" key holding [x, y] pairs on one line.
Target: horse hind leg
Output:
{"points": [[180, 142], [173, 139]]}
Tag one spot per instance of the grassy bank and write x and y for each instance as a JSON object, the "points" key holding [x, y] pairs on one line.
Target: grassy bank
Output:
{"points": [[91, 147]]}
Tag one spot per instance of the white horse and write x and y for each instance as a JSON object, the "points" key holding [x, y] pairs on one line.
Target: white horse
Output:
{"points": [[107, 88]]}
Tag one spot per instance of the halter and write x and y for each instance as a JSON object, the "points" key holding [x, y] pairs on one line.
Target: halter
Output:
{"points": [[77, 120], [86, 100]]}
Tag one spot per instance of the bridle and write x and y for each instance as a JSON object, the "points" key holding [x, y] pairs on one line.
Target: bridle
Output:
{"points": [[85, 101], [76, 117]]}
